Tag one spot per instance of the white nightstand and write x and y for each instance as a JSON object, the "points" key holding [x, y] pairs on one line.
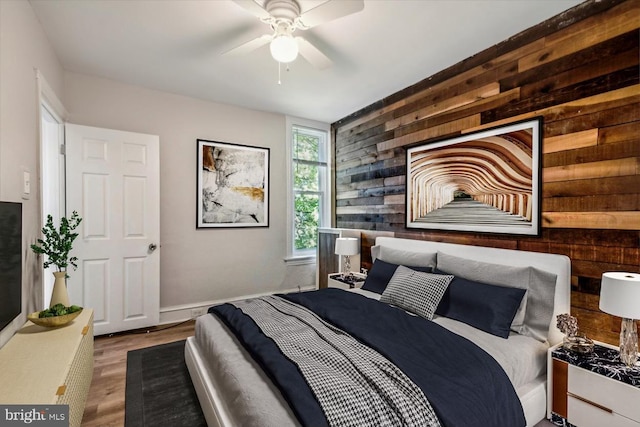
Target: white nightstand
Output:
{"points": [[335, 281], [593, 390]]}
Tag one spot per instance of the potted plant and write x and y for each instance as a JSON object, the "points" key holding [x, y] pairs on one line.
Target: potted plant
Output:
{"points": [[56, 245]]}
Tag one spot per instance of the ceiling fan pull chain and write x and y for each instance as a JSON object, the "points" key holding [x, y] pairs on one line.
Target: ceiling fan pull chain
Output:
{"points": [[279, 81]]}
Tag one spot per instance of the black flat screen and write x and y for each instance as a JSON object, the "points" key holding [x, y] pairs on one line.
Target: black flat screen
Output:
{"points": [[10, 262]]}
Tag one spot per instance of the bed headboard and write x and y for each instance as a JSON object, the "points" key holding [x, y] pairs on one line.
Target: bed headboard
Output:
{"points": [[559, 265]]}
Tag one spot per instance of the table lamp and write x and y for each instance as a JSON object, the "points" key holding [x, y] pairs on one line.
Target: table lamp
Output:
{"points": [[347, 246], [620, 296]]}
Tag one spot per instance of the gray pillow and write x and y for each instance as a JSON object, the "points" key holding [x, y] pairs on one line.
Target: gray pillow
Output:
{"points": [[375, 253], [400, 257], [530, 321], [542, 291], [415, 291]]}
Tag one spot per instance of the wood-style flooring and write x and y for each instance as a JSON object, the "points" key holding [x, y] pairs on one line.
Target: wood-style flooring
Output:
{"points": [[105, 404]]}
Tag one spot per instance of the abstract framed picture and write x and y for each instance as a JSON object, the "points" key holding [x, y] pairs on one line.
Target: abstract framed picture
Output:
{"points": [[233, 185], [487, 181]]}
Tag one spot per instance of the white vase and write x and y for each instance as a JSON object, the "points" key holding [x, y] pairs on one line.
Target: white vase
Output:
{"points": [[59, 294]]}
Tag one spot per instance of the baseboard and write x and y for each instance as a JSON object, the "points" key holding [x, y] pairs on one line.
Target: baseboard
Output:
{"points": [[180, 313]]}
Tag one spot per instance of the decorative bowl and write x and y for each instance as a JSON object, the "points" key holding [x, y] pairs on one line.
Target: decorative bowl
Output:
{"points": [[53, 322], [578, 344]]}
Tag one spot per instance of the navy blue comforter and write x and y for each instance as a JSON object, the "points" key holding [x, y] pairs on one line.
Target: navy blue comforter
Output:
{"points": [[465, 385]]}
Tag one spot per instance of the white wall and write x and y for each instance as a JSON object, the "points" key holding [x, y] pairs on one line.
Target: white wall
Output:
{"points": [[23, 46], [198, 266]]}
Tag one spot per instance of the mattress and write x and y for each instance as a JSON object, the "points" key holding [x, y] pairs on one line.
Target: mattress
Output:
{"points": [[250, 395], [252, 398]]}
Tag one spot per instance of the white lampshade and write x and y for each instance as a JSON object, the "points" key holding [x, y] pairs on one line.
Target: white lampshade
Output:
{"points": [[347, 246], [620, 294], [284, 48]]}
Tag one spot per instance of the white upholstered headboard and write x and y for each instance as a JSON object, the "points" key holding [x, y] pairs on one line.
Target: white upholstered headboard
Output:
{"points": [[559, 265]]}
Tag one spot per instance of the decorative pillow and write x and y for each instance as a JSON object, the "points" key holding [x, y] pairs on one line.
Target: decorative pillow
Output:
{"points": [[494, 274], [400, 257], [380, 274], [416, 291], [539, 285], [486, 307]]}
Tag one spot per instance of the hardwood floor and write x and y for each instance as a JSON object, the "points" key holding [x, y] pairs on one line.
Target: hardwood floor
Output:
{"points": [[105, 404]]}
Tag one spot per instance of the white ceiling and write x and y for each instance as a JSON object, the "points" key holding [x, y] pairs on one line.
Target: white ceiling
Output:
{"points": [[176, 46]]}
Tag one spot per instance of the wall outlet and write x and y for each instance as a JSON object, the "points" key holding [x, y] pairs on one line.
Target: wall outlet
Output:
{"points": [[195, 312]]}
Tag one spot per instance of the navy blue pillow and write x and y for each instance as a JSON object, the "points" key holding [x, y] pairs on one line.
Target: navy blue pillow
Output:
{"points": [[380, 274], [490, 308]]}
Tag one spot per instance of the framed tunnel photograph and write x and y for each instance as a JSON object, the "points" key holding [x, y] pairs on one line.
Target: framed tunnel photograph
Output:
{"points": [[487, 181]]}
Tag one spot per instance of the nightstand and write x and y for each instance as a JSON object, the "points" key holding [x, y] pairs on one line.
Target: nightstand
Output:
{"points": [[335, 281], [592, 390]]}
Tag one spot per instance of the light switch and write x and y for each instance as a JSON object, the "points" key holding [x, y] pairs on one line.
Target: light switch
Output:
{"points": [[26, 184]]}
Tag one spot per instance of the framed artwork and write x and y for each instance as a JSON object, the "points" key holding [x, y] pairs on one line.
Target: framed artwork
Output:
{"points": [[486, 181], [233, 185]]}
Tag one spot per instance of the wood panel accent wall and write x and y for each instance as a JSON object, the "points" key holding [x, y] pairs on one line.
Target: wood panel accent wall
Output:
{"points": [[580, 71]]}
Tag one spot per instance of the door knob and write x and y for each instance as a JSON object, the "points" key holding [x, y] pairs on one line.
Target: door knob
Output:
{"points": [[152, 247]]}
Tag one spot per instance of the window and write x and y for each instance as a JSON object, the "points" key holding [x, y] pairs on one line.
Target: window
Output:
{"points": [[309, 188]]}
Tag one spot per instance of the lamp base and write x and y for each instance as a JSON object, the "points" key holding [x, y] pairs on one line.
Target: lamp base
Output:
{"points": [[347, 266], [629, 342]]}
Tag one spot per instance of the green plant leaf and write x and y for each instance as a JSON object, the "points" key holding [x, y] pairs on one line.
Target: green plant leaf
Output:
{"points": [[58, 242]]}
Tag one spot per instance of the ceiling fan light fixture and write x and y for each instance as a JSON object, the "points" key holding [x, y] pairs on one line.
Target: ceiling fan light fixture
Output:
{"points": [[284, 48]]}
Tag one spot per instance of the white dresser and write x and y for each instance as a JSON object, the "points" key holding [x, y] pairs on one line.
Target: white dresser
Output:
{"points": [[49, 365]]}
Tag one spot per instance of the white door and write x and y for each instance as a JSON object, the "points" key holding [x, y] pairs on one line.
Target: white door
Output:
{"points": [[113, 181]]}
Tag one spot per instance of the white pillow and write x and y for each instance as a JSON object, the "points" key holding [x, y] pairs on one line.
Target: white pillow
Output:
{"points": [[400, 257], [415, 291]]}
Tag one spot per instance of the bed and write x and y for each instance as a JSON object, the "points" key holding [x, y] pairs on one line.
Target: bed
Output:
{"points": [[234, 390]]}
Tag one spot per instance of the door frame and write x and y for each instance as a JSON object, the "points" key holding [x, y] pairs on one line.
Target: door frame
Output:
{"points": [[48, 100]]}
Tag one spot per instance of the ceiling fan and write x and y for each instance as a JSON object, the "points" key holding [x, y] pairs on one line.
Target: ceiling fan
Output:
{"points": [[284, 17]]}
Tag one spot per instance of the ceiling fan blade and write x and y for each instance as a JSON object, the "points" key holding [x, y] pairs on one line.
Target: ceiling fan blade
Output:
{"points": [[328, 12], [249, 46], [253, 8], [313, 55]]}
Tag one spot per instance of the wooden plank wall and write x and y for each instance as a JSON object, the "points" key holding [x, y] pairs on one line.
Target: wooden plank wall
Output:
{"points": [[580, 71]]}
